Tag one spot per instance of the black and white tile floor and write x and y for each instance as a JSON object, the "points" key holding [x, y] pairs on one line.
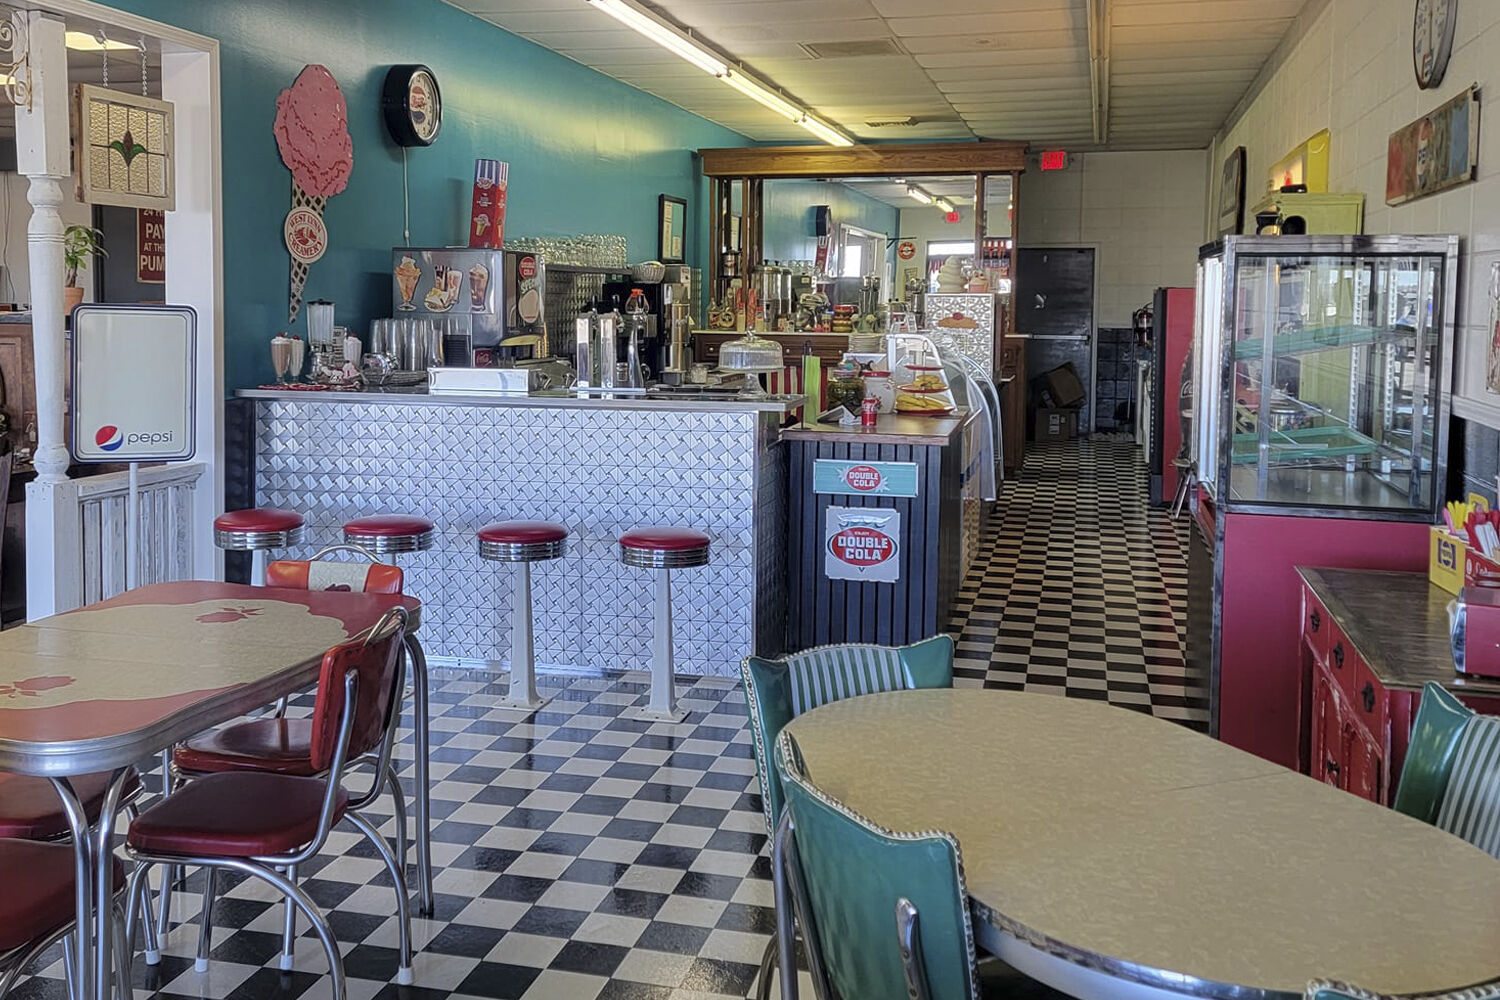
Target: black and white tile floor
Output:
{"points": [[584, 856]]}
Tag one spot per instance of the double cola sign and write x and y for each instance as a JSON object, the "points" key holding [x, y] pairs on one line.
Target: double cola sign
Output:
{"points": [[862, 544]]}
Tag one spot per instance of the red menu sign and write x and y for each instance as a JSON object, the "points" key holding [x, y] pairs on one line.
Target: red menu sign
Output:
{"points": [[150, 246]]}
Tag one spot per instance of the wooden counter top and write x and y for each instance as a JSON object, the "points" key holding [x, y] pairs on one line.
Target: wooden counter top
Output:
{"points": [[890, 428], [1398, 623]]}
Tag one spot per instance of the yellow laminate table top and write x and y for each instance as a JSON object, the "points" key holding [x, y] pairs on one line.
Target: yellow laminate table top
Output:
{"points": [[1128, 837]]}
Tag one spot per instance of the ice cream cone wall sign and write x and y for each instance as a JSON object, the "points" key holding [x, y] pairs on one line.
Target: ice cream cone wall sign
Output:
{"points": [[312, 133]]}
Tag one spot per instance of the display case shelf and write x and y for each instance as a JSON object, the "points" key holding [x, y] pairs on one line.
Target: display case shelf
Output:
{"points": [[1318, 338], [1305, 443]]}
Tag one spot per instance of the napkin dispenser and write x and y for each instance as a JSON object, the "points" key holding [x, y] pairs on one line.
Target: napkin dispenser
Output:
{"points": [[1474, 631], [482, 381]]}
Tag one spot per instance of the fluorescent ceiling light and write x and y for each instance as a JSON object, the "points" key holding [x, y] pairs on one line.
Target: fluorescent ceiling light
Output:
{"points": [[761, 95], [663, 34], [827, 133], [82, 41], [681, 44], [917, 194], [944, 204]]}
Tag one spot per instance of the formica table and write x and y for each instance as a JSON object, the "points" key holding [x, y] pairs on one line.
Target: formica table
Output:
{"points": [[1110, 854], [105, 686]]}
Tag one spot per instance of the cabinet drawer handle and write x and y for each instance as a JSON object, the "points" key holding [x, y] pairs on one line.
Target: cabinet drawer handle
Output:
{"points": [[1368, 694], [1338, 656], [1316, 619]]}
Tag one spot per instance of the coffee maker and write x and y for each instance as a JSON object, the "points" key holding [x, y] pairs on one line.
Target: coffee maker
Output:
{"points": [[669, 319]]}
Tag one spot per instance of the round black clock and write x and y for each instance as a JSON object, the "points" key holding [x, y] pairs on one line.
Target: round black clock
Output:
{"points": [[1432, 40], [412, 104]]}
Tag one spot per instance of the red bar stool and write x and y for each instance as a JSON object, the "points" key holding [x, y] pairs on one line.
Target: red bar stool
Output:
{"points": [[522, 543], [256, 530], [663, 550], [390, 534]]}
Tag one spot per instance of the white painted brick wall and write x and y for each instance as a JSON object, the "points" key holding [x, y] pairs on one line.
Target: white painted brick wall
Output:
{"points": [[1348, 68]]}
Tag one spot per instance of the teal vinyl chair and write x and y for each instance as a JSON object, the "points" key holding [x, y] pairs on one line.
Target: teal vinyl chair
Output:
{"points": [[1451, 776], [890, 913], [1329, 989], [777, 691]]}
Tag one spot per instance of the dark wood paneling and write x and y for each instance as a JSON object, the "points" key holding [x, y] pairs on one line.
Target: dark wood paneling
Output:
{"points": [[823, 611]]}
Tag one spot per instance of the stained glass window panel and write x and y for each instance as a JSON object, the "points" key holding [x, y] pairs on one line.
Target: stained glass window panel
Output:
{"points": [[124, 150]]}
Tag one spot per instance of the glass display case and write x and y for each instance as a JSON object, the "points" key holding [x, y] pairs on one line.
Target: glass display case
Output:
{"points": [[1323, 366]]}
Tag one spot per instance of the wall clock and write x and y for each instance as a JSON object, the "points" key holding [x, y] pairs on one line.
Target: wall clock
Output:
{"points": [[412, 104], [1432, 40]]}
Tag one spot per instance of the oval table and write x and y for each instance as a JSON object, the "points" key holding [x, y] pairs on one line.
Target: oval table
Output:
{"points": [[1110, 854]]}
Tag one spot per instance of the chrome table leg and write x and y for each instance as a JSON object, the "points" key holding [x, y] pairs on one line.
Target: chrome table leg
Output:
{"points": [[420, 750]]}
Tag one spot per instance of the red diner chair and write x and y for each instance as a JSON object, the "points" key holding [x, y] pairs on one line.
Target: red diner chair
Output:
{"points": [[263, 823], [280, 745], [31, 810], [38, 907]]}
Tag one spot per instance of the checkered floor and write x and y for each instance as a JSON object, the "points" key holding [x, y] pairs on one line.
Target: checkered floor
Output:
{"points": [[1081, 587], [585, 856]]}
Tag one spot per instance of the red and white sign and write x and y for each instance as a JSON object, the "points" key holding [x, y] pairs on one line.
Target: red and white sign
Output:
{"points": [[150, 246], [526, 268], [306, 236], [862, 544], [1054, 159], [906, 249], [865, 478]]}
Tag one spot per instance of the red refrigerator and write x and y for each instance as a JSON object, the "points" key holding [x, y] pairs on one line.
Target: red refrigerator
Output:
{"points": [[1171, 376]]}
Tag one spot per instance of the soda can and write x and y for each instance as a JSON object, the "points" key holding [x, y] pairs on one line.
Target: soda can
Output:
{"points": [[869, 410]]}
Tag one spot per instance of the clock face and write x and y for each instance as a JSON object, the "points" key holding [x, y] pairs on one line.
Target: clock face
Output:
{"points": [[423, 105], [1432, 40]]}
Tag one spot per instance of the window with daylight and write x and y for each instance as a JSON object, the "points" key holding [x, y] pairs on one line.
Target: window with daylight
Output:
{"points": [[123, 145]]}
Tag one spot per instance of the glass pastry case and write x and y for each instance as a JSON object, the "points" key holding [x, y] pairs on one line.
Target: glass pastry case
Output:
{"points": [[1324, 366]]}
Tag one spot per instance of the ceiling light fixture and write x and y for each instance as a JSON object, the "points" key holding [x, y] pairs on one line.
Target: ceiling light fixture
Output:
{"points": [[917, 194], [667, 36], [82, 41], [761, 95], [827, 133], [685, 46], [944, 204]]}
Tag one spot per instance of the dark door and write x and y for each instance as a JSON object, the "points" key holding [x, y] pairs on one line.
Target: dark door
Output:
{"points": [[116, 274], [1055, 308]]}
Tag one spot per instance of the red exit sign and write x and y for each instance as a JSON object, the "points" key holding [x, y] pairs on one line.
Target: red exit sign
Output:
{"points": [[1054, 159]]}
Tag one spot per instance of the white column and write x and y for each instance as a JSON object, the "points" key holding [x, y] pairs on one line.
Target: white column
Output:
{"points": [[43, 157]]}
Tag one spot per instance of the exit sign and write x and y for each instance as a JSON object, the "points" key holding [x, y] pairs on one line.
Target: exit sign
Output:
{"points": [[1054, 159]]}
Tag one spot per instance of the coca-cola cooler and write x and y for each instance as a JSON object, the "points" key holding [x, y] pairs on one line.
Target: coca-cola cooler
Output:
{"points": [[1172, 382], [490, 301]]}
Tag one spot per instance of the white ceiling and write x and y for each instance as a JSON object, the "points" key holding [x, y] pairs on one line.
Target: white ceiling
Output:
{"points": [[993, 69], [959, 190]]}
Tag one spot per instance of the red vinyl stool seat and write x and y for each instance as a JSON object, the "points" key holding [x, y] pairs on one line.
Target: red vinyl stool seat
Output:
{"points": [[663, 549], [522, 543], [274, 745], [256, 528], [390, 534], [38, 897], [238, 814], [31, 810]]}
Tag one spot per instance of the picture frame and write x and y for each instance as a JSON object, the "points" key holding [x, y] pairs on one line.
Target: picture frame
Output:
{"points": [[671, 228], [1231, 218]]}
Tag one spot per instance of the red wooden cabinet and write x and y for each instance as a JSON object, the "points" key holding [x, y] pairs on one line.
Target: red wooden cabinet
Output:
{"points": [[1349, 736]]}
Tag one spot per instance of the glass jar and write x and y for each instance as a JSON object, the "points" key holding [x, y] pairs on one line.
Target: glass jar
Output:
{"points": [[847, 389]]}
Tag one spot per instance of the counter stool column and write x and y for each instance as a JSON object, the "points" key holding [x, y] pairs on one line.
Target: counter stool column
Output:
{"points": [[522, 543], [386, 536], [663, 550], [258, 530]]}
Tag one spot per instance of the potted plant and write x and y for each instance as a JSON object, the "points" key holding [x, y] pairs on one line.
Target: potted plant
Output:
{"points": [[80, 244]]}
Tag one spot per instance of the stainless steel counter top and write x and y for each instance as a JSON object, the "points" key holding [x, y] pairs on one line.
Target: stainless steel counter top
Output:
{"points": [[565, 399]]}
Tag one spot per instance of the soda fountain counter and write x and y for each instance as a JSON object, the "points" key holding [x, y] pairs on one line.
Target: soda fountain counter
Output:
{"points": [[1320, 438], [597, 465]]}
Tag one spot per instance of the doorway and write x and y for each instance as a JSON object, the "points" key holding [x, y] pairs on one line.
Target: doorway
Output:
{"points": [[1055, 312]]}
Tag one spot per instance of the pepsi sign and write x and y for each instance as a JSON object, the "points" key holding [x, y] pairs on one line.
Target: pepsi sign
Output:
{"points": [[134, 383]]}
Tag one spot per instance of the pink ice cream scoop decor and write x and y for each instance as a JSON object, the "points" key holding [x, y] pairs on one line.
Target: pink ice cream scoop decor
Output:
{"points": [[312, 134]]}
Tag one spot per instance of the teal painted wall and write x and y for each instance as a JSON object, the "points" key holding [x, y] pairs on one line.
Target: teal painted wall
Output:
{"points": [[586, 153], [789, 211]]}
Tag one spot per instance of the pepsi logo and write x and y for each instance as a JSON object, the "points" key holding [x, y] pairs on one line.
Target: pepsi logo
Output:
{"points": [[108, 438]]}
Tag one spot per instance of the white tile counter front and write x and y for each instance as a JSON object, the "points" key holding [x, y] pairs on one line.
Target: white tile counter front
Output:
{"points": [[596, 466]]}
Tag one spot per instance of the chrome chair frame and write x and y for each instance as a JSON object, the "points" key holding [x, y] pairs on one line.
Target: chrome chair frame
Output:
{"points": [[267, 868], [15, 961]]}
